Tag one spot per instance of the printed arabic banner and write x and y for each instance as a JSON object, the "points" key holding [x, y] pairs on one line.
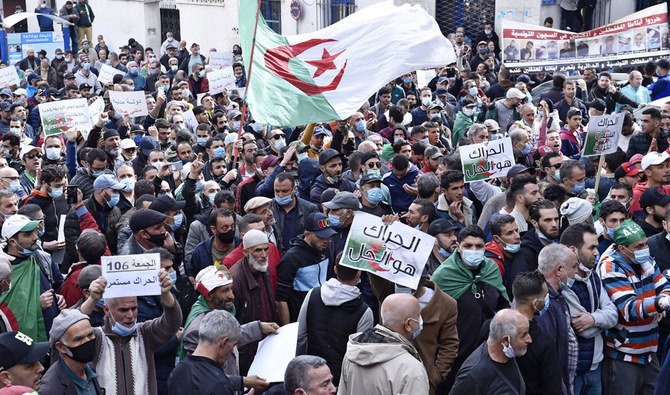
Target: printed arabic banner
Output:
{"points": [[134, 104], [62, 115], [395, 252], [131, 275], [632, 40], [602, 135], [486, 161]]}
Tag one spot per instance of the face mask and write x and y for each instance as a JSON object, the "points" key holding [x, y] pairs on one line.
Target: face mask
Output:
{"points": [[211, 198], [283, 200], [59, 57], [483, 51], [642, 256], [134, 70], [375, 196], [173, 277], [129, 184], [124, 331], [97, 173], [302, 156], [83, 353], [15, 131], [487, 31], [472, 258], [25, 251], [360, 125], [527, 149], [426, 141], [468, 111], [426, 101], [202, 141], [201, 74], [227, 237], [158, 240], [610, 233], [418, 330], [86, 66], [113, 200], [15, 186], [238, 75], [407, 80], [178, 220], [557, 176], [512, 248], [199, 185], [56, 193], [53, 153], [279, 144], [579, 187], [509, 351], [568, 284], [444, 253], [547, 300], [219, 152], [137, 139], [334, 221], [174, 67], [473, 91]]}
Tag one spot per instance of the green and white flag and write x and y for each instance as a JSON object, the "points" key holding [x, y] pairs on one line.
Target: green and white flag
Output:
{"points": [[328, 74]]}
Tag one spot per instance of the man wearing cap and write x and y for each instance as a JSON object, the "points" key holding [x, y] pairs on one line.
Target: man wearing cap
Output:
{"points": [[371, 195], [144, 148], [112, 145], [432, 156], [35, 278], [97, 161], [288, 163], [20, 358], [444, 231], [85, 75], [260, 205], [254, 296], [102, 205], [148, 227], [654, 203], [330, 164], [641, 293], [505, 111], [651, 138], [661, 88], [195, 57], [304, 266], [73, 337], [655, 168]]}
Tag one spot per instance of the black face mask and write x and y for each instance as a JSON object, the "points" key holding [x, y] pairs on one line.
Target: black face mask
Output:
{"points": [[83, 353], [158, 240], [227, 237]]}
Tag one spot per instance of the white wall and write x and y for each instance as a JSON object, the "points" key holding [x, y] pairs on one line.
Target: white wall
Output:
{"points": [[211, 25]]}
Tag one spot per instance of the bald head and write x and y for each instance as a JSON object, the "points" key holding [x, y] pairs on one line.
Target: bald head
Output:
{"points": [[8, 172], [366, 146], [397, 312]]}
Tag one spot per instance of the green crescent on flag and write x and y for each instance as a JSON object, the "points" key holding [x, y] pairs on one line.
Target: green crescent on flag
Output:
{"points": [[328, 74]]}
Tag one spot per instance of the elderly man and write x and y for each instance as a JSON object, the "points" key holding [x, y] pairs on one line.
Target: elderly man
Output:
{"points": [[202, 372], [20, 360], [72, 336], [124, 348], [382, 359], [260, 205], [308, 374], [634, 90], [254, 297], [490, 369]]}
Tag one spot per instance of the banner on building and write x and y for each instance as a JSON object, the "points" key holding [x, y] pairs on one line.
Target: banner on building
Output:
{"points": [[602, 137], [486, 161], [635, 39], [395, 252], [18, 44]]}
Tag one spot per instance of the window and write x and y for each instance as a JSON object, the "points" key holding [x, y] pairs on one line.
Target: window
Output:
{"points": [[340, 9], [271, 10]]}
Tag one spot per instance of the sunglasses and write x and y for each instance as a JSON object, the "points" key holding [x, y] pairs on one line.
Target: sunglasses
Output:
{"points": [[33, 156], [374, 165]]}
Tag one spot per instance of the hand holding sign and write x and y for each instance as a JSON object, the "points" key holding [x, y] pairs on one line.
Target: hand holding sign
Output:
{"points": [[132, 275]]}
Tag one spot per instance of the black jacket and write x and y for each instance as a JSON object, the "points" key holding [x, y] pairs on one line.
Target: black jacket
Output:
{"points": [[526, 259], [84, 181], [481, 375], [539, 366], [611, 99], [640, 142], [304, 209], [57, 382], [52, 209], [105, 217]]}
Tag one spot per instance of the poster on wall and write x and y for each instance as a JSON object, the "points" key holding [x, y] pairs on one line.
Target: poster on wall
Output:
{"points": [[523, 11], [18, 44], [632, 40]]}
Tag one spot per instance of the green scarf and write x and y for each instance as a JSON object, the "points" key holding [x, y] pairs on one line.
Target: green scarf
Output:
{"points": [[199, 307], [24, 299], [454, 278]]}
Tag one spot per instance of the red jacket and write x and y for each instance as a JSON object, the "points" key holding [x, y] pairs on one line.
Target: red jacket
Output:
{"points": [[273, 260], [495, 253]]}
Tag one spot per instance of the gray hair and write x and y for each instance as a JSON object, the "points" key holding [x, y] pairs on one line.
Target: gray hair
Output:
{"points": [[297, 371], [504, 324], [474, 128], [5, 268], [551, 257], [527, 106], [517, 135], [217, 325], [566, 168], [427, 184]]}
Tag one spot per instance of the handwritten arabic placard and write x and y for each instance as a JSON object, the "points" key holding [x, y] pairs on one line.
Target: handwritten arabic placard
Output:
{"points": [[220, 60], [131, 275], [190, 121], [486, 161], [61, 116], [423, 77], [132, 103], [94, 109], [220, 80], [107, 74], [9, 77], [395, 252], [603, 133]]}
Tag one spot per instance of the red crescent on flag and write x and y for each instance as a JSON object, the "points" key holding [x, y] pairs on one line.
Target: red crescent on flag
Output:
{"points": [[276, 60]]}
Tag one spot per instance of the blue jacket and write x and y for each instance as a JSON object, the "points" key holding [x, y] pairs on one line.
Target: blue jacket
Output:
{"points": [[401, 199], [321, 185], [46, 24], [660, 88], [202, 257]]}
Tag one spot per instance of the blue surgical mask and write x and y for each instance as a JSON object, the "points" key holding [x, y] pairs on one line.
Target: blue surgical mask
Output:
{"points": [[418, 330], [56, 193], [40, 233], [579, 187], [473, 91], [360, 125], [334, 221], [302, 156], [129, 183], [512, 248], [202, 141], [425, 141], [483, 51], [86, 66], [444, 253], [375, 195], [557, 176], [114, 200], [547, 300], [568, 284], [527, 149], [201, 74], [134, 70], [279, 144], [219, 152], [173, 277], [24, 251], [396, 139], [610, 234], [211, 198], [178, 221], [642, 256], [15, 186], [124, 331], [283, 200], [199, 185], [407, 80], [153, 71], [97, 173], [137, 139], [472, 258], [236, 126]]}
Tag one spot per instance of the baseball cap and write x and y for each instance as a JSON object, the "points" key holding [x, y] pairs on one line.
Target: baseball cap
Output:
{"points": [[598, 104], [653, 158], [105, 181], [128, 143], [491, 125], [343, 199], [626, 169], [328, 194], [212, 277], [370, 177], [148, 144], [654, 197], [637, 158], [63, 322], [319, 224], [327, 155], [4, 106], [18, 223], [6, 92], [256, 202], [442, 225], [84, 86], [165, 203], [20, 92], [145, 217], [33, 77], [525, 79], [232, 114], [435, 106], [513, 93], [628, 233], [171, 46], [69, 76], [26, 149], [482, 43], [516, 169], [320, 130], [18, 348], [432, 152]]}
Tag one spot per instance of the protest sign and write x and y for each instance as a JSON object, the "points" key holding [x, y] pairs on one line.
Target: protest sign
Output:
{"points": [[134, 104], [9, 77], [423, 77], [486, 161], [395, 252], [107, 74], [190, 121], [632, 40], [61, 116], [220, 60], [131, 275], [602, 136], [220, 80], [95, 109], [274, 353]]}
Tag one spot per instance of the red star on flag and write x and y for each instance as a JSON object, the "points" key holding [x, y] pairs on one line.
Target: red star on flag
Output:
{"points": [[326, 63]]}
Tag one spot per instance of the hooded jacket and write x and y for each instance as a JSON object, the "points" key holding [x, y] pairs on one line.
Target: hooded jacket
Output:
{"points": [[383, 362]]}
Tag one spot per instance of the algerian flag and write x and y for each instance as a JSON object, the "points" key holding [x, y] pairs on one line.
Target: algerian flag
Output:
{"points": [[328, 74]]}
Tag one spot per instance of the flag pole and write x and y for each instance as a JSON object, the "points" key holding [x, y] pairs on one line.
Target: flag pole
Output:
{"points": [[244, 108]]}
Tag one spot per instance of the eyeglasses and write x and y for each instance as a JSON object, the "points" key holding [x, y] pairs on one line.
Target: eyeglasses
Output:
{"points": [[33, 156], [10, 178], [374, 165], [556, 166], [129, 150]]}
